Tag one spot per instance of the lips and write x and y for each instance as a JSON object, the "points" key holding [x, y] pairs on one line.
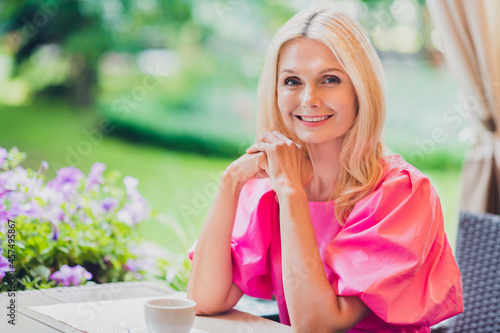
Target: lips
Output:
{"points": [[313, 119]]}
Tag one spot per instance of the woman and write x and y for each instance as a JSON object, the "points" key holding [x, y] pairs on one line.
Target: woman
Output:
{"points": [[345, 237]]}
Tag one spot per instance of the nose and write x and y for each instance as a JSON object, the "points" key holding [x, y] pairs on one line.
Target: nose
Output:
{"points": [[310, 98]]}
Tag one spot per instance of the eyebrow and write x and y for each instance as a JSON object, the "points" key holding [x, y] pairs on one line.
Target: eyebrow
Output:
{"points": [[331, 69]]}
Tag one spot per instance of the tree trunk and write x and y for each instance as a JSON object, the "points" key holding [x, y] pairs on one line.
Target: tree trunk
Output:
{"points": [[84, 80], [85, 85]]}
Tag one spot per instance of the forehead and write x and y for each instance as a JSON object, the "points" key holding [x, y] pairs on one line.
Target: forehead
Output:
{"points": [[306, 53]]}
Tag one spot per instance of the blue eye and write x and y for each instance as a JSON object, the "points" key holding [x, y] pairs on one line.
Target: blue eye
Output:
{"points": [[328, 80], [294, 82], [334, 79]]}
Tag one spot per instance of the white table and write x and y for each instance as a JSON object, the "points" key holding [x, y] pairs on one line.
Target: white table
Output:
{"points": [[31, 321]]}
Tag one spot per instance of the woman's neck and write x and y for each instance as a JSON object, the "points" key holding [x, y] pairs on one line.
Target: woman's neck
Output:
{"points": [[325, 160]]}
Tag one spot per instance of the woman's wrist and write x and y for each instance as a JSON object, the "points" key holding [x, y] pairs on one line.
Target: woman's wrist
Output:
{"points": [[288, 190], [229, 179]]}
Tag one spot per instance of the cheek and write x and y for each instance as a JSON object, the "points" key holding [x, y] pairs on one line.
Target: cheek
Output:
{"points": [[287, 101], [342, 99]]}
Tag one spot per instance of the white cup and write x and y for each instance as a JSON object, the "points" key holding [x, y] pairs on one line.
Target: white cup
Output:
{"points": [[169, 315]]}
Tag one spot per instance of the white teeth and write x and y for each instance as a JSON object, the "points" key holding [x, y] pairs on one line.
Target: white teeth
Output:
{"points": [[316, 119]]}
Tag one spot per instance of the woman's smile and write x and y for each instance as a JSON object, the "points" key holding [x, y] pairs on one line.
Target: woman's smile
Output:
{"points": [[313, 121]]}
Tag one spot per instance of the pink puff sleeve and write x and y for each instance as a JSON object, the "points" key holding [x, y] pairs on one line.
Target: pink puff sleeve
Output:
{"points": [[251, 239], [393, 254]]}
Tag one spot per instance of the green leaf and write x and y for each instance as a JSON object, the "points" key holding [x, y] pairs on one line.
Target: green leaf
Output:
{"points": [[63, 249], [46, 251], [40, 201], [40, 271]]}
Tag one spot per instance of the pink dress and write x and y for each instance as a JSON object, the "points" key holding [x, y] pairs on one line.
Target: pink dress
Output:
{"points": [[392, 251]]}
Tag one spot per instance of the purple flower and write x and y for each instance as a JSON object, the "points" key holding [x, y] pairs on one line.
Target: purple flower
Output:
{"points": [[64, 185], [17, 191], [55, 231], [4, 266], [131, 187], [70, 276], [55, 214], [108, 204], [136, 210], [3, 156], [95, 174], [13, 179], [65, 176], [133, 265], [133, 212], [33, 210], [21, 205], [35, 188], [4, 214], [9, 214]]}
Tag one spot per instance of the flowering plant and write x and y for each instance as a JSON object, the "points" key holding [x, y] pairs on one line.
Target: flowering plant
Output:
{"points": [[72, 229]]}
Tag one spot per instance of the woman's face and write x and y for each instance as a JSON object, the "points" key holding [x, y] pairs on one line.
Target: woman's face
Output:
{"points": [[315, 96]]}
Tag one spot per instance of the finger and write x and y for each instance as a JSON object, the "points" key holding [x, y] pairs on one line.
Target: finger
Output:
{"points": [[263, 165], [259, 146], [282, 137], [268, 137]]}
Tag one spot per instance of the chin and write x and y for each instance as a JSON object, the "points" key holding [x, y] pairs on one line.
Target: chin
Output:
{"points": [[316, 138], [312, 139]]}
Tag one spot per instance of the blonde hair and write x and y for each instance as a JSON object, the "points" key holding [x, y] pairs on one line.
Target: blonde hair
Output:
{"points": [[362, 147]]}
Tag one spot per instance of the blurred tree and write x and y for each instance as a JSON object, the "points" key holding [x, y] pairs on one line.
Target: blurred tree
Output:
{"points": [[85, 29]]}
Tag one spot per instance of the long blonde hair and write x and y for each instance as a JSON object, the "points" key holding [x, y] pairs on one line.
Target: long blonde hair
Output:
{"points": [[362, 146]]}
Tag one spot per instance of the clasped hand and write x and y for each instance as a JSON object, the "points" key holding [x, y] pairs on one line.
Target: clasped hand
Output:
{"points": [[285, 163]]}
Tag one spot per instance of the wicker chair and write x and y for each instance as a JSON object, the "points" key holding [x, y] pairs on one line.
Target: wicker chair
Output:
{"points": [[478, 257]]}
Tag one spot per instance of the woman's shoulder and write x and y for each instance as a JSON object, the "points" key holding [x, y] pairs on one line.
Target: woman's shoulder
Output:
{"points": [[393, 164], [401, 185], [402, 188], [395, 168]]}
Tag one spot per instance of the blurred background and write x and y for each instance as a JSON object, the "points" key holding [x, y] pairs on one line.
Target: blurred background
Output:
{"points": [[165, 91]]}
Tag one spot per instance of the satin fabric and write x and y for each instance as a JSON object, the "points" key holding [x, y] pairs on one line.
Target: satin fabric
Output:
{"points": [[392, 251]]}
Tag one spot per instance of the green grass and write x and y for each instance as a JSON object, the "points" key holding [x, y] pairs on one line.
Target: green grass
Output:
{"points": [[176, 183], [170, 181]]}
